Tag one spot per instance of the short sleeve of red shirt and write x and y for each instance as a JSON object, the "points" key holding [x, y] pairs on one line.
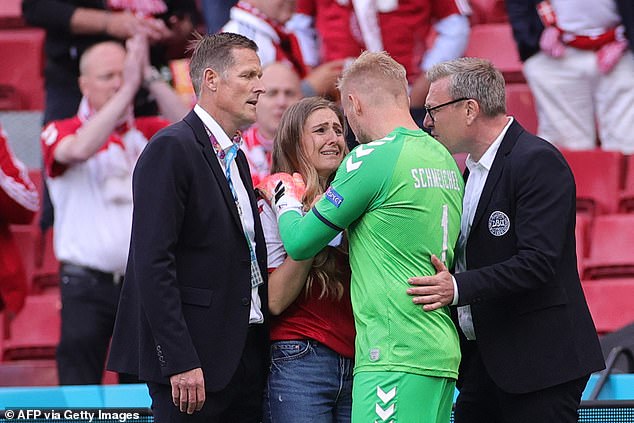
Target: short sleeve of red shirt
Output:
{"points": [[52, 134], [150, 125]]}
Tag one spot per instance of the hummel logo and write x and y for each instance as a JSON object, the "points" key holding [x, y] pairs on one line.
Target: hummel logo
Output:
{"points": [[362, 152], [379, 142], [385, 396], [350, 165], [384, 414]]}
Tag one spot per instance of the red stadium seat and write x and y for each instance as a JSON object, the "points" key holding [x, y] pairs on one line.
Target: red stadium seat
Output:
{"points": [[46, 267], [610, 303], [488, 11], [598, 177], [25, 238], [521, 105], [22, 65], [611, 247], [9, 98], [46, 274], [495, 42], [627, 197], [34, 333], [29, 373], [11, 14]]}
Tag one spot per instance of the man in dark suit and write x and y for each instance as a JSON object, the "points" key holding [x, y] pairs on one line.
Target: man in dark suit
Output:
{"points": [[527, 338], [191, 320]]}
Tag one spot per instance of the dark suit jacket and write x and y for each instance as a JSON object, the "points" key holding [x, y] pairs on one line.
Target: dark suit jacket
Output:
{"points": [[527, 27], [532, 323], [186, 296]]}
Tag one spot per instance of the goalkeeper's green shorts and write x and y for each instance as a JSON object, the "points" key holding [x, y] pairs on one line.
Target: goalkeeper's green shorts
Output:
{"points": [[398, 397]]}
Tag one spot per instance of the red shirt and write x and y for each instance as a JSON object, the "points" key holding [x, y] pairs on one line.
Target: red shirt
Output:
{"points": [[404, 30], [326, 320]]}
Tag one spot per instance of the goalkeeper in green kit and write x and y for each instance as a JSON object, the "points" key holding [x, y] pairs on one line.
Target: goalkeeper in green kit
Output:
{"points": [[399, 195]]}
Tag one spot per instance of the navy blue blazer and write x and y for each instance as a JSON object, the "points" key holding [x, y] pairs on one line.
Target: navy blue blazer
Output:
{"points": [[532, 323], [185, 300]]}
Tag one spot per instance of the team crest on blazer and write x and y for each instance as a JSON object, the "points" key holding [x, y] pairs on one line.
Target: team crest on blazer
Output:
{"points": [[499, 223]]}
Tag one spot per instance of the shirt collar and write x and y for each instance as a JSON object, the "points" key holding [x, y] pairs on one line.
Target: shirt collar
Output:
{"points": [[212, 126], [486, 161]]}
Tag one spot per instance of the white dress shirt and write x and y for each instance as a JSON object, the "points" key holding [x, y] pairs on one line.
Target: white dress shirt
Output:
{"points": [[246, 215], [478, 173]]}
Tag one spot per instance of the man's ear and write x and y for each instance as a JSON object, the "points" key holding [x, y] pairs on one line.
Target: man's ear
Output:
{"points": [[210, 79], [356, 104], [472, 110]]}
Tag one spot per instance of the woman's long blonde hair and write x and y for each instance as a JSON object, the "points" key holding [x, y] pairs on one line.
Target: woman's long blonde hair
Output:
{"points": [[330, 267]]}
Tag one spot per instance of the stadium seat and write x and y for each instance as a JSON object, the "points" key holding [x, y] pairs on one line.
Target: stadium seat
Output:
{"points": [[9, 98], [610, 303], [45, 265], [626, 204], [25, 238], [521, 105], [11, 14], [495, 42], [34, 333], [611, 248], [488, 11], [28, 373], [46, 273], [598, 176], [22, 65]]}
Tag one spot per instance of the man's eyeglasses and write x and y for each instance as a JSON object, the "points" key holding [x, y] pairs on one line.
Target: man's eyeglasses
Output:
{"points": [[429, 110]]}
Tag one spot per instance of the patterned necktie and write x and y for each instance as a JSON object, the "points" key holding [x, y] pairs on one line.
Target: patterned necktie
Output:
{"points": [[227, 157]]}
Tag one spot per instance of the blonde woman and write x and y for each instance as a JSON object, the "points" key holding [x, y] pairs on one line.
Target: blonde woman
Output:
{"points": [[312, 333]]}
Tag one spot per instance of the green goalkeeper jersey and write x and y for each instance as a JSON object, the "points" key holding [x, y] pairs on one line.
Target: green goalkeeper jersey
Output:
{"points": [[400, 198]]}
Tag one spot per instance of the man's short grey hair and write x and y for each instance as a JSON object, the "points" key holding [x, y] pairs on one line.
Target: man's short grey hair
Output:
{"points": [[373, 71], [215, 51], [475, 78]]}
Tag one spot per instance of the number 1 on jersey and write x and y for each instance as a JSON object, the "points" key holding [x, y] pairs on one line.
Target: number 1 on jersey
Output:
{"points": [[444, 223]]}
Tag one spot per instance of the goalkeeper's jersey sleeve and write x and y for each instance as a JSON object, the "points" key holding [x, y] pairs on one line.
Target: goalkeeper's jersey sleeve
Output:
{"points": [[400, 198]]}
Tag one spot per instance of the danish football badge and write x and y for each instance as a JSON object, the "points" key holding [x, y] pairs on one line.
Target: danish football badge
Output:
{"points": [[499, 223]]}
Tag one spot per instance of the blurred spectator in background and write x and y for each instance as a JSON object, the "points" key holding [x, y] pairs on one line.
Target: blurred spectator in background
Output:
{"points": [[89, 161], [263, 21], [312, 335], [18, 204], [344, 28], [579, 64], [282, 90], [216, 13], [74, 25]]}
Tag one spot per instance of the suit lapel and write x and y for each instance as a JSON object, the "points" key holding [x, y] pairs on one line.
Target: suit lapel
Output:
{"points": [[496, 170], [210, 157]]}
